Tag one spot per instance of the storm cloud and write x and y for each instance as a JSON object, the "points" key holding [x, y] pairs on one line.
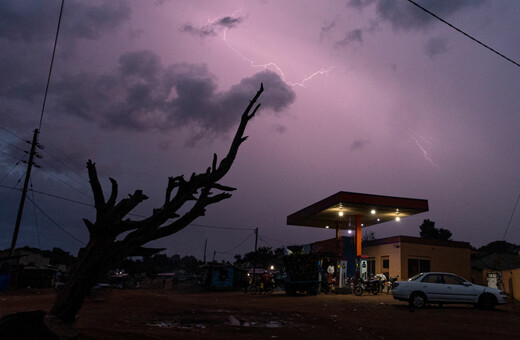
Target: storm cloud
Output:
{"points": [[142, 94], [28, 20], [405, 16], [436, 46], [213, 28], [352, 36]]}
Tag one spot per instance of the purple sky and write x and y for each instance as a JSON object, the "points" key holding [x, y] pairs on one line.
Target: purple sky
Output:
{"points": [[370, 96]]}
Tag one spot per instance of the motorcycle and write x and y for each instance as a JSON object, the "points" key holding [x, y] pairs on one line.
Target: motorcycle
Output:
{"points": [[373, 286]]}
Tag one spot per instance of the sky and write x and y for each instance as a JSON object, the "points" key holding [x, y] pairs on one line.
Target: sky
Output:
{"points": [[368, 96]]}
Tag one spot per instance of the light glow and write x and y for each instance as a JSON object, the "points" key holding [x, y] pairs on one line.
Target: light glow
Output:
{"points": [[340, 213], [398, 218], [373, 212]]}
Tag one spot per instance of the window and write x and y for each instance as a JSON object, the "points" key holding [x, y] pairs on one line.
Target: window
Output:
{"points": [[433, 278], [385, 263], [453, 280], [416, 266]]}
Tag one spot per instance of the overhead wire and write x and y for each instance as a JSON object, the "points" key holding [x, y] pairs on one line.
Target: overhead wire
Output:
{"points": [[66, 166], [65, 183], [9, 172], [35, 218], [60, 173], [215, 227], [11, 133], [14, 188], [511, 218], [11, 144], [52, 63], [56, 223], [464, 33]]}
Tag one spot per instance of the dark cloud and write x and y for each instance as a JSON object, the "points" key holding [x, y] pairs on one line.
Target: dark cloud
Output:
{"points": [[403, 15], [352, 36], [360, 3], [359, 144], [327, 28], [279, 128], [29, 20], [213, 28], [203, 31], [436, 46], [228, 22], [142, 94], [27, 30]]}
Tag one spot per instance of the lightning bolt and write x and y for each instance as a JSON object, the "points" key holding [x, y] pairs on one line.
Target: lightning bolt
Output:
{"points": [[415, 136], [268, 65]]}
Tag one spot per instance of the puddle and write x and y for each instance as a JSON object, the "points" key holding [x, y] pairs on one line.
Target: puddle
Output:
{"points": [[270, 324], [170, 324]]}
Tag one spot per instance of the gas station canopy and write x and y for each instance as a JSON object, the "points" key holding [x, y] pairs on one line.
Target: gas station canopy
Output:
{"points": [[343, 208]]}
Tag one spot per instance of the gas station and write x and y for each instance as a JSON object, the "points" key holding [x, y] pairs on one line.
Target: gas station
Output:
{"points": [[352, 212]]}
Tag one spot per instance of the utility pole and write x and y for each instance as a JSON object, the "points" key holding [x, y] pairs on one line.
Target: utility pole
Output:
{"points": [[32, 153], [205, 247], [256, 239], [254, 262], [214, 254]]}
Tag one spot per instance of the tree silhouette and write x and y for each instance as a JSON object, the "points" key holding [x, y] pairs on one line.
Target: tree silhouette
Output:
{"points": [[112, 237], [428, 230]]}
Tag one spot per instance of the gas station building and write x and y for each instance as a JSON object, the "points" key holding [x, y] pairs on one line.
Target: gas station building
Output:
{"points": [[394, 256]]}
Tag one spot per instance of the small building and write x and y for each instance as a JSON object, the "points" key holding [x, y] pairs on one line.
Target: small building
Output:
{"points": [[28, 257], [224, 276], [406, 256]]}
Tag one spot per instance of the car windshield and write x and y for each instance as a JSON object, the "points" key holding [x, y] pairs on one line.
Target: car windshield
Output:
{"points": [[415, 277]]}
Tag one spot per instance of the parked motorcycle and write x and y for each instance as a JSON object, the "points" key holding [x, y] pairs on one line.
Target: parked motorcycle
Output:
{"points": [[372, 286]]}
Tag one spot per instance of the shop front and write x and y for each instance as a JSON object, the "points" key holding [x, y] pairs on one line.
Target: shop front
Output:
{"points": [[351, 212]]}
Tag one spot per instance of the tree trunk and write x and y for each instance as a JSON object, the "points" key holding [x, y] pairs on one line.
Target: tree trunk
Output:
{"points": [[92, 264]]}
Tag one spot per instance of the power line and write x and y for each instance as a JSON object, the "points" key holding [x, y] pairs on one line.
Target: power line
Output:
{"points": [[511, 218], [35, 218], [467, 35], [56, 223], [52, 63], [50, 195], [64, 173], [14, 146], [11, 133], [241, 243], [65, 165], [14, 188], [65, 183], [9, 172], [214, 227], [279, 241]]}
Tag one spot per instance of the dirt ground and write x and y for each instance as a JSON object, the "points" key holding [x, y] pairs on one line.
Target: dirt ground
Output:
{"points": [[163, 314]]}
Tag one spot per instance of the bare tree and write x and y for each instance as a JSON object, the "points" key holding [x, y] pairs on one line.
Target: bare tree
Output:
{"points": [[114, 237]]}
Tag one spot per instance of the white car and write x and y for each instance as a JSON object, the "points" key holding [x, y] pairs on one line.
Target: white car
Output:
{"points": [[445, 288]]}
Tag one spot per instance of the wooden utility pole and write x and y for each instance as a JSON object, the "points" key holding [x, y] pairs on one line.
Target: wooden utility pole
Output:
{"points": [[256, 245], [205, 247], [32, 153]]}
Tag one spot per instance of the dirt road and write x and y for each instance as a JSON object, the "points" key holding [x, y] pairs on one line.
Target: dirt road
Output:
{"points": [[162, 314]]}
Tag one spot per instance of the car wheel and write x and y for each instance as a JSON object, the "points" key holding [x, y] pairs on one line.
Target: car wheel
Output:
{"points": [[418, 300], [486, 302], [358, 291]]}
